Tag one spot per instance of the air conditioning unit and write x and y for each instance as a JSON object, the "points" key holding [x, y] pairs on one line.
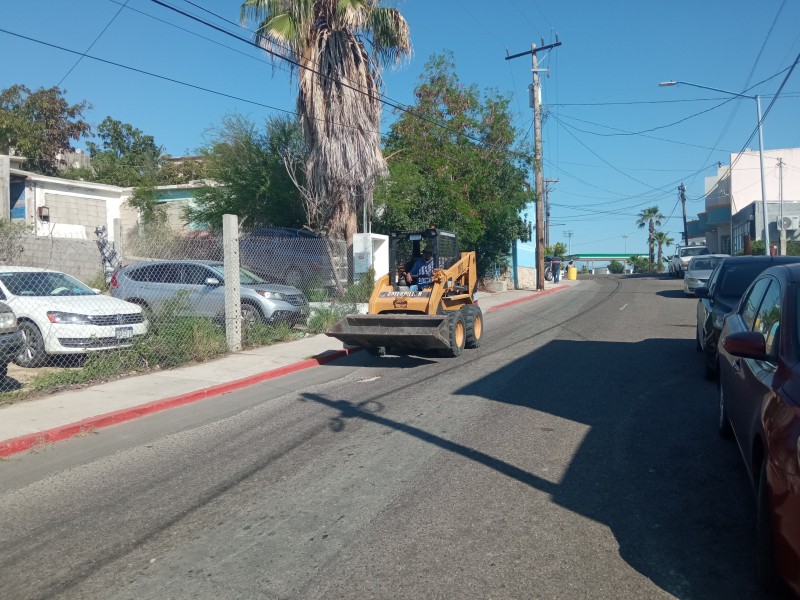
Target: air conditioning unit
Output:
{"points": [[787, 223]]}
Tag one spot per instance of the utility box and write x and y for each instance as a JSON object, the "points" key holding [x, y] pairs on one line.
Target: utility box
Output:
{"points": [[370, 250]]}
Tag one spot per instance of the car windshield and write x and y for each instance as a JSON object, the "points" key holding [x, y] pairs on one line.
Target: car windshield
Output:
{"points": [[735, 279], [703, 264], [44, 284], [694, 251], [245, 277]]}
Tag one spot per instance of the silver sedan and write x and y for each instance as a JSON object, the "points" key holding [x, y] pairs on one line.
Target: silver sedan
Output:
{"points": [[699, 270]]}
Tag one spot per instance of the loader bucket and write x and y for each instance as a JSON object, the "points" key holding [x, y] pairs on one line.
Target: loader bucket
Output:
{"points": [[421, 332]]}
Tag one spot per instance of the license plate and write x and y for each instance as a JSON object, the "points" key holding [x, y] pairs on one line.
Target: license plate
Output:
{"points": [[124, 333]]}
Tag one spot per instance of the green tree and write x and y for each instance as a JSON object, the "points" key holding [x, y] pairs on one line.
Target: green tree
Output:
{"points": [[557, 249], [248, 164], [640, 264], [650, 218], [124, 156], [467, 177], [40, 125], [338, 101], [662, 239]]}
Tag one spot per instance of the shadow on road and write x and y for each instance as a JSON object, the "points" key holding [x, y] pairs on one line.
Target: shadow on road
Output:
{"points": [[651, 467]]}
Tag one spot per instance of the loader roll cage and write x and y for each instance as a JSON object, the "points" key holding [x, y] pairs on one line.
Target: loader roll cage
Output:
{"points": [[405, 247]]}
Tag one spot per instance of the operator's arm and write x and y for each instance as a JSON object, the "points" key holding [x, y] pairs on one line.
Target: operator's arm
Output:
{"points": [[414, 272]]}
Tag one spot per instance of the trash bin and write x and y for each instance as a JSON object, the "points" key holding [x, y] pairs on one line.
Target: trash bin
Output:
{"points": [[572, 273]]}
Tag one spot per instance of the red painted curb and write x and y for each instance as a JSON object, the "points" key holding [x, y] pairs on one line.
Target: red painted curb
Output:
{"points": [[26, 442], [528, 299]]}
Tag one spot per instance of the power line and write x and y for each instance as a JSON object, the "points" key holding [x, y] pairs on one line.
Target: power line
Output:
{"points": [[99, 35]]}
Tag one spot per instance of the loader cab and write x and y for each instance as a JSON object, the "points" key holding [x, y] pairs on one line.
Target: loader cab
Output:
{"points": [[405, 247]]}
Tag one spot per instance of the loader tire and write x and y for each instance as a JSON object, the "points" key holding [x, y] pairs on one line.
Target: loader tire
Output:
{"points": [[473, 325], [458, 334]]}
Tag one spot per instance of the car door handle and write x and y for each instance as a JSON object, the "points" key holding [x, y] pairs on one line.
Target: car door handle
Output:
{"points": [[737, 365]]}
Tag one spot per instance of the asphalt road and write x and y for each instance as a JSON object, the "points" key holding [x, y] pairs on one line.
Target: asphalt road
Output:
{"points": [[574, 455]]}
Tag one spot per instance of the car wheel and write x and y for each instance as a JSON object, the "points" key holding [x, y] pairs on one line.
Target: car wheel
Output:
{"points": [[765, 552], [697, 345], [250, 315], [146, 310], [473, 324], [723, 423], [32, 353], [457, 331]]}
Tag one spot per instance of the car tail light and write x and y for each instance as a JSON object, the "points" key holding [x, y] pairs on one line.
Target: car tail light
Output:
{"points": [[114, 283]]}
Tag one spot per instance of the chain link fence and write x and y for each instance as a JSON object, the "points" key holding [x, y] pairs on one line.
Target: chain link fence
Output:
{"points": [[158, 300]]}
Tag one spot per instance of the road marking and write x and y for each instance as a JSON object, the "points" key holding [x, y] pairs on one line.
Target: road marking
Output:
{"points": [[368, 380], [623, 307]]}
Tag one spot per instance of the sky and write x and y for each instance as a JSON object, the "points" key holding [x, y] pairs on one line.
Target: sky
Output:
{"points": [[615, 141]]}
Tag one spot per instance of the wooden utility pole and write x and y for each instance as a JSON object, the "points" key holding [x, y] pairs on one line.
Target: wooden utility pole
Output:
{"points": [[682, 190], [537, 159], [547, 183]]}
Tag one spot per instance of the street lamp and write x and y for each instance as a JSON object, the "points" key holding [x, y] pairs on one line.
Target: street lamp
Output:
{"points": [[760, 148]]}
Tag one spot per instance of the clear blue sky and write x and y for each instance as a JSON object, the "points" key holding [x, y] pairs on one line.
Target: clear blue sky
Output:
{"points": [[603, 80]]}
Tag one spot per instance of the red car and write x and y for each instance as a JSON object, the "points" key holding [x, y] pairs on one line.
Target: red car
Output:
{"points": [[759, 405]]}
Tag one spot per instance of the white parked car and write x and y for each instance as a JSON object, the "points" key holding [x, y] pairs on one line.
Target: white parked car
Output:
{"points": [[57, 314], [699, 270]]}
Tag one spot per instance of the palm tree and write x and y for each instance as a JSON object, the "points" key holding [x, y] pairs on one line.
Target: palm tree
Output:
{"points": [[650, 217], [339, 99], [662, 239]]}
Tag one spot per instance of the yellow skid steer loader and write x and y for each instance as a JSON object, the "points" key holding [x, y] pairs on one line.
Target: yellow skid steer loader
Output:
{"points": [[436, 313]]}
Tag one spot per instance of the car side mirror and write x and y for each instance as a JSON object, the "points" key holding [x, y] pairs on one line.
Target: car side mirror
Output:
{"points": [[746, 344], [213, 281], [701, 292]]}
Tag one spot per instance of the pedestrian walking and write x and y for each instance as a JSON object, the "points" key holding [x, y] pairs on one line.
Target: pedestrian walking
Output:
{"points": [[555, 265]]}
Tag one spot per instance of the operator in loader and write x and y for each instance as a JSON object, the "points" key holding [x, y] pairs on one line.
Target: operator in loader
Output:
{"points": [[421, 272]]}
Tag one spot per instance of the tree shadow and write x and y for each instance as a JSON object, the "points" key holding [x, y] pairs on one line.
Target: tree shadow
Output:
{"points": [[651, 466]]}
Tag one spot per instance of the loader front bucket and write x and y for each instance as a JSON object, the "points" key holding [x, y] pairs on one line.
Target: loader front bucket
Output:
{"points": [[421, 332]]}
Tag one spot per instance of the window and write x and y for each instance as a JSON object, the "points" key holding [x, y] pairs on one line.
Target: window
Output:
{"points": [[768, 319], [157, 273], [750, 304], [44, 283], [737, 277], [196, 274]]}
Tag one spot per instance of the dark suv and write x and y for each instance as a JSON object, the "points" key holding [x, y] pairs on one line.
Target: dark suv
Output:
{"points": [[293, 257], [725, 287]]}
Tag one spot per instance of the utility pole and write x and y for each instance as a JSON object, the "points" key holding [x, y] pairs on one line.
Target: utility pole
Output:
{"points": [[537, 159], [625, 237], [547, 183], [682, 190], [568, 234]]}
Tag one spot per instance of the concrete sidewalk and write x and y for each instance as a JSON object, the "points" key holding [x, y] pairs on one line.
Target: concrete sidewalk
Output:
{"points": [[28, 423]]}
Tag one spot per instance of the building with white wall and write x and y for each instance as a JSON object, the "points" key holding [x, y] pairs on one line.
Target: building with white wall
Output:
{"points": [[733, 205]]}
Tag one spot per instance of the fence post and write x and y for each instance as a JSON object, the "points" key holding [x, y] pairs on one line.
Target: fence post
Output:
{"points": [[118, 239], [233, 299]]}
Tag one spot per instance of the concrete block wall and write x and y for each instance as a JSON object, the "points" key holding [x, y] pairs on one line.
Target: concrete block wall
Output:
{"points": [[79, 258], [89, 212]]}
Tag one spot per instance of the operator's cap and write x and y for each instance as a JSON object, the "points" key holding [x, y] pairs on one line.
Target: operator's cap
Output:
{"points": [[427, 251]]}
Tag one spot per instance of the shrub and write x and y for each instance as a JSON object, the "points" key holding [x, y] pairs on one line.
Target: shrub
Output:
{"points": [[616, 267]]}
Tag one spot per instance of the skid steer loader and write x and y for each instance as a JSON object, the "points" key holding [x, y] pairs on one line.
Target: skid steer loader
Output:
{"points": [[441, 316]]}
